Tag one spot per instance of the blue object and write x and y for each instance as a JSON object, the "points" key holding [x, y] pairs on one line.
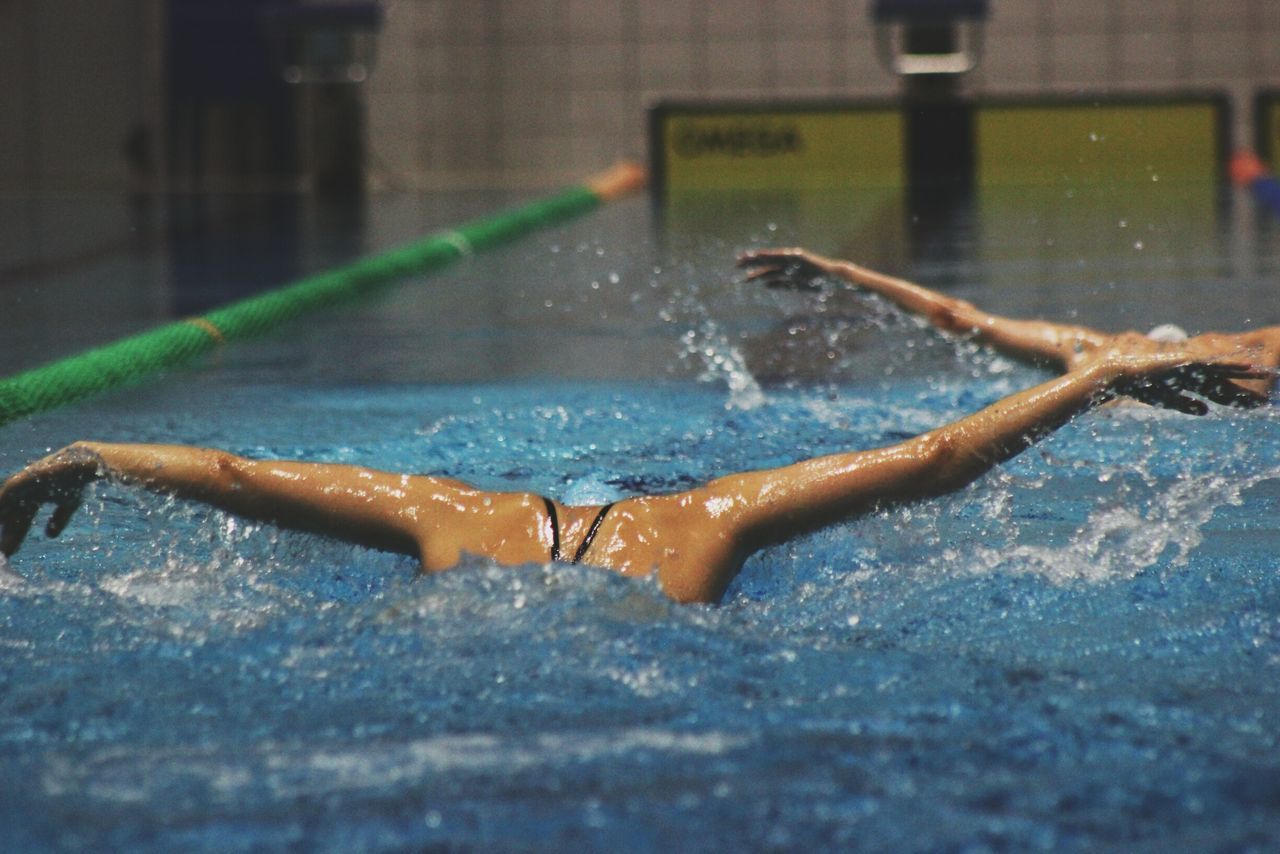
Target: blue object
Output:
{"points": [[1248, 170], [1266, 190]]}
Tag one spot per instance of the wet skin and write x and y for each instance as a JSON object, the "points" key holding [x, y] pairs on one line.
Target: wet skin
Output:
{"points": [[1057, 345], [695, 540]]}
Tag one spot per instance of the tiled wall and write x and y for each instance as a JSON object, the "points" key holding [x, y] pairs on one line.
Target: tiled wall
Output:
{"points": [[80, 91], [75, 79], [538, 91]]}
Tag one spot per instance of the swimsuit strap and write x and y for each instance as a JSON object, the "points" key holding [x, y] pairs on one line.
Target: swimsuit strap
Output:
{"points": [[591, 534], [555, 529]]}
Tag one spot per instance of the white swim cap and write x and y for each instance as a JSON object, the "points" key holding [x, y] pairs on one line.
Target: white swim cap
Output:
{"points": [[1168, 333]]}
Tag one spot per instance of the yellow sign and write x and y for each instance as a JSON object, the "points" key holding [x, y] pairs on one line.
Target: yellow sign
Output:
{"points": [[863, 146], [1098, 144], [724, 149]]}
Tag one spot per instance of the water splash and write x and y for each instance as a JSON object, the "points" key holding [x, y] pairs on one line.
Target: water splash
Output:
{"points": [[706, 341], [1119, 541], [8, 578], [189, 599], [722, 360]]}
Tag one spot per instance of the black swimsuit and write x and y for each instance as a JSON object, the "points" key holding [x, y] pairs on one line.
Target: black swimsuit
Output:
{"points": [[586, 541]]}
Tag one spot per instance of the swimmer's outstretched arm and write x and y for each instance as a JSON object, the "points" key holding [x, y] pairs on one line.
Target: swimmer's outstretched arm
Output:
{"points": [[1031, 340], [360, 505], [775, 505], [1262, 344]]}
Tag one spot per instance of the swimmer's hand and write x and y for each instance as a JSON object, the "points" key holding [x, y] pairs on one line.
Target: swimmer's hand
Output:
{"points": [[1170, 379], [58, 479], [798, 269]]}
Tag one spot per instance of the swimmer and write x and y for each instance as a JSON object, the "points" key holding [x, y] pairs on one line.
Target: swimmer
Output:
{"points": [[1056, 345], [696, 540]]}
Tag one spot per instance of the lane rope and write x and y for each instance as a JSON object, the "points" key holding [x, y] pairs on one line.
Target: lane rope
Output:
{"points": [[212, 331], [130, 360], [459, 240]]}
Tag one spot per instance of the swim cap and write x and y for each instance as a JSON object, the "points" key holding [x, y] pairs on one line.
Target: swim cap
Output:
{"points": [[1168, 333]]}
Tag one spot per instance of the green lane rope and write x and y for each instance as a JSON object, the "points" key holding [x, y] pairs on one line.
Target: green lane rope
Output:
{"points": [[129, 360]]}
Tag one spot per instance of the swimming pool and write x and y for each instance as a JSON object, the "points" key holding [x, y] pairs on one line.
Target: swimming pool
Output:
{"points": [[1080, 651]]}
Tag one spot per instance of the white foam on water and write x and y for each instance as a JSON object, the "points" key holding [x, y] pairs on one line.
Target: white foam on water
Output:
{"points": [[8, 578], [1119, 541], [136, 777]]}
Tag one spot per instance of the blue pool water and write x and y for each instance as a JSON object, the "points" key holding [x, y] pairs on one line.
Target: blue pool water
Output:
{"points": [[1079, 652]]}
